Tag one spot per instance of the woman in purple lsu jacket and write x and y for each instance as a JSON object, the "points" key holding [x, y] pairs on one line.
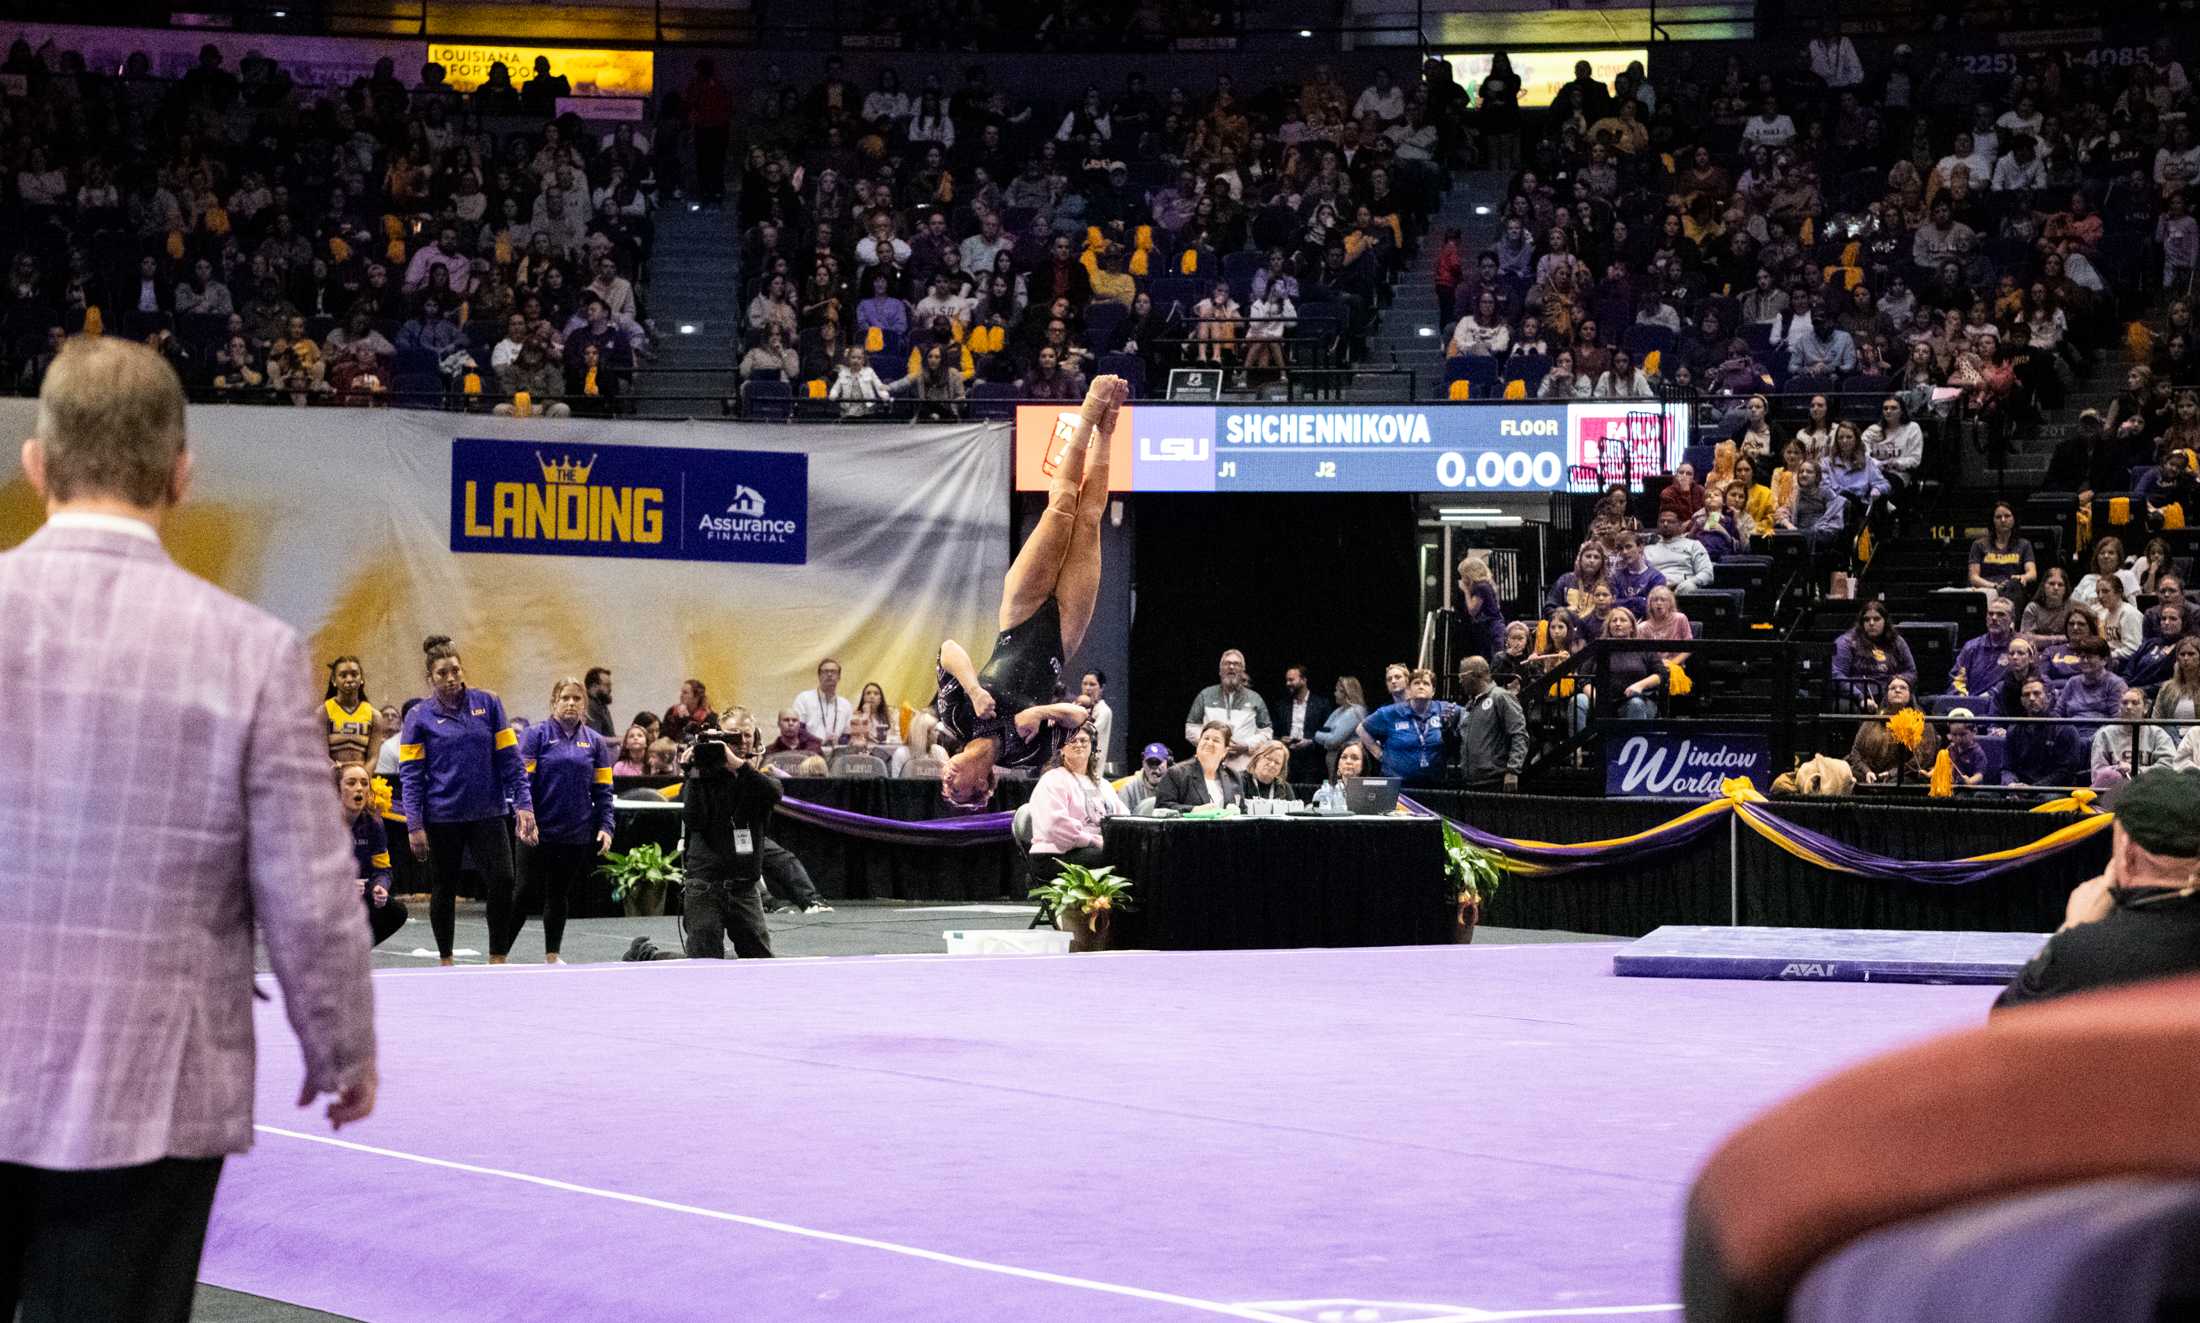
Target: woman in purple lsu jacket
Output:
{"points": [[569, 770], [458, 765]]}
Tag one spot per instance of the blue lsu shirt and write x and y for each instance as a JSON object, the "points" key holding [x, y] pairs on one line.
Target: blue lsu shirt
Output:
{"points": [[370, 849], [1413, 746], [459, 764], [570, 774]]}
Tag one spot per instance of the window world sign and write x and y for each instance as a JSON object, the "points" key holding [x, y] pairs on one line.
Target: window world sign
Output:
{"points": [[1523, 447], [1688, 765], [653, 502]]}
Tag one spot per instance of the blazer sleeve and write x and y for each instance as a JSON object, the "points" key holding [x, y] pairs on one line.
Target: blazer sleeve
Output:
{"points": [[1318, 711], [1174, 792], [599, 788], [1515, 724], [299, 867], [1233, 788], [511, 773]]}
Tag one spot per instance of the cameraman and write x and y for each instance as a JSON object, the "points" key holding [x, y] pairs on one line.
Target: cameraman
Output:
{"points": [[727, 802]]}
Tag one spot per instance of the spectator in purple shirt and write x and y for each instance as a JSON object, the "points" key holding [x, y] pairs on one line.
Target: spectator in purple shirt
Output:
{"points": [[1869, 655], [882, 310], [1979, 662], [1632, 577], [2095, 691]]}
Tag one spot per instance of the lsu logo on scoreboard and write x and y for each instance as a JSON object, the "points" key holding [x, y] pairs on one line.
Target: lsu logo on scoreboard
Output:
{"points": [[565, 506]]}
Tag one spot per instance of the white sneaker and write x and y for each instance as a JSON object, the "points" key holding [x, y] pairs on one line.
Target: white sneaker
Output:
{"points": [[820, 908]]}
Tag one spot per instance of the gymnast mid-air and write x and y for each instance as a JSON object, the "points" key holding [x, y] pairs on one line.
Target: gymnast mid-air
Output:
{"points": [[1006, 714]]}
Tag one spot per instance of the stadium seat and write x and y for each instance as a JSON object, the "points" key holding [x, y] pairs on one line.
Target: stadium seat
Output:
{"points": [[993, 400], [767, 401], [1175, 296], [1712, 612], [1643, 339], [1529, 370], [1130, 367], [1102, 318], [1239, 268], [1933, 644]]}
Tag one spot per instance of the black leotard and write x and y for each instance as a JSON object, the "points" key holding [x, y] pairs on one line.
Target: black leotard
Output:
{"points": [[1024, 671]]}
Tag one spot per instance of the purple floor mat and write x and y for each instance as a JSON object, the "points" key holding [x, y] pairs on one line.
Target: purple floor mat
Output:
{"points": [[1362, 1135]]}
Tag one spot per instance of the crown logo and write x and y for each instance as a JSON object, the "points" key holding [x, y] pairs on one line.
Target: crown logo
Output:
{"points": [[564, 469]]}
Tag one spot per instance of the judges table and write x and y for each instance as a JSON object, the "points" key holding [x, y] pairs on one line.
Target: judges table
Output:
{"points": [[1281, 882]]}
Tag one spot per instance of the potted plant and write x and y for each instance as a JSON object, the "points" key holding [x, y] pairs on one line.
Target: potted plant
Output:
{"points": [[639, 877], [1474, 874], [1084, 901]]}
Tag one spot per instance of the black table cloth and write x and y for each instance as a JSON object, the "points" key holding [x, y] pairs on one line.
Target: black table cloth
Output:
{"points": [[1281, 882], [1691, 885]]}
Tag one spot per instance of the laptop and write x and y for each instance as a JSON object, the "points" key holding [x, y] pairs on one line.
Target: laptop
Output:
{"points": [[1371, 794]]}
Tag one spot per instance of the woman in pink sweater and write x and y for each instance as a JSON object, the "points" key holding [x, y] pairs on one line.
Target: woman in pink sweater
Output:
{"points": [[1068, 806]]}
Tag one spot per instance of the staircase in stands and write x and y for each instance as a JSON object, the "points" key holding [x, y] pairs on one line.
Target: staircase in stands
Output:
{"points": [[1412, 334], [695, 283]]}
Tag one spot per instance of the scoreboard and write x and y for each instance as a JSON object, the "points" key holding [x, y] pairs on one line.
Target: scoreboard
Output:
{"points": [[1514, 448]]}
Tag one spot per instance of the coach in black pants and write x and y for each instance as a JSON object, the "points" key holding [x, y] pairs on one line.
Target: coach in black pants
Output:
{"points": [[727, 803]]}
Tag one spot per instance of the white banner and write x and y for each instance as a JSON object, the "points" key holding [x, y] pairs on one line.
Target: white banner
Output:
{"points": [[338, 521]]}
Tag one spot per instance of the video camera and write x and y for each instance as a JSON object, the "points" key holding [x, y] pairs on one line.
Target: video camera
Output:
{"points": [[713, 751]]}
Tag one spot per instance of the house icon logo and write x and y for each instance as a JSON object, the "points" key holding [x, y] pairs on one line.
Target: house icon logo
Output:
{"points": [[747, 503]]}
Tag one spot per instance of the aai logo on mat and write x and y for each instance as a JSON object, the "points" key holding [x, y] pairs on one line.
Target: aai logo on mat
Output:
{"points": [[657, 502]]}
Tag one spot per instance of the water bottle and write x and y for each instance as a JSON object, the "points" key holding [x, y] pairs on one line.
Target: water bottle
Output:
{"points": [[1325, 798]]}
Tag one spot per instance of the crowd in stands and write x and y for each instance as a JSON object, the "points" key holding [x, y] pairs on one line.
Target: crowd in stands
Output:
{"points": [[943, 241], [1911, 229], [377, 244], [1834, 261]]}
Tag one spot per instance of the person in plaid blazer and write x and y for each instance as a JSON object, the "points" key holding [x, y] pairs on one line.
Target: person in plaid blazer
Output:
{"points": [[166, 789]]}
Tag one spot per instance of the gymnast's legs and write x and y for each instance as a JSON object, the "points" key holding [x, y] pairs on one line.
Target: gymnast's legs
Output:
{"points": [[1061, 558]]}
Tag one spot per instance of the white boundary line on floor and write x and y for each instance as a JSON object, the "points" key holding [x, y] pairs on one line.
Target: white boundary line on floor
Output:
{"points": [[789, 1229]]}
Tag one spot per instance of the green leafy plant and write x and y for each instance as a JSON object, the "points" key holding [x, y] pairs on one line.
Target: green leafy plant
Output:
{"points": [[643, 867], [1474, 872], [1088, 890]]}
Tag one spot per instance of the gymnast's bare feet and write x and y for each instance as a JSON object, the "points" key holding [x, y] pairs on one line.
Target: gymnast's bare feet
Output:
{"points": [[1104, 396]]}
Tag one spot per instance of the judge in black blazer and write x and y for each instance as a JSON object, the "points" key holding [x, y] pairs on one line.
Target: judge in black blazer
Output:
{"points": [[1203, 780]]}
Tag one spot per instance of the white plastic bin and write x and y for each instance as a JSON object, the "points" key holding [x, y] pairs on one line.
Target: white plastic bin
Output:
{"points": [[1006, 941]]}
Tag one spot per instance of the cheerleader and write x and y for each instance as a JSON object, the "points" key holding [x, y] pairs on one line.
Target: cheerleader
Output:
{"points": [[458, 765], [569, 768], [348, 713]]}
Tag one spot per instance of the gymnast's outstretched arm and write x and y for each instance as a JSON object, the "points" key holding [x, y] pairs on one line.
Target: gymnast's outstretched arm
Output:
{"points": [[1069, 715], [956, 662]]}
